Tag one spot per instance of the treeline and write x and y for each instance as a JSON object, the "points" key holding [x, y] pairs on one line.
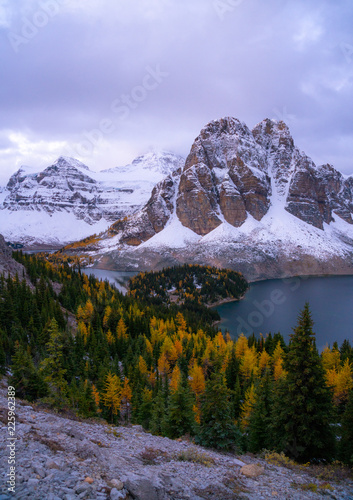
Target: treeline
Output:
{"points": [[136, 362]]}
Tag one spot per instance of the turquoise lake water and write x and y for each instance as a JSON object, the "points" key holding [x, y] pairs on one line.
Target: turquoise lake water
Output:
{"points": [[274, 306]]}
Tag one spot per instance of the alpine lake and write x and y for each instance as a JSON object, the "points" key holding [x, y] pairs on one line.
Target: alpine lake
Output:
{"points": [[274, 306]]}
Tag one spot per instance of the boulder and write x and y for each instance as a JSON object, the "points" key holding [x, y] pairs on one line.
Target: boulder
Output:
{"points": [[252, 471]]}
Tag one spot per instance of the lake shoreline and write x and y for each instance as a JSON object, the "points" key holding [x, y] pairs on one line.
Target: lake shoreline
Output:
{"points": [[274, 306], [226, 300]]}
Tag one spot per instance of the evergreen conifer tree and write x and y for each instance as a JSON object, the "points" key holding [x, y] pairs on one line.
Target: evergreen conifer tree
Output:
{"points": [[25, 377], [52, 368], [259, 430], [217, 429], [2, 354], [180, 419], [346, 443], [303, 410], [86, 402], [157, 422], [144, 412]]}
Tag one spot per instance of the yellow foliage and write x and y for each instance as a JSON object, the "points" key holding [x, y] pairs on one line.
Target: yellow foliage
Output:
{"points": [[241, 346], [112, 393], [278, 370], [85, 313], [264, 360], [149, 347], [163, 365], [126, 392], [175, 380], [121, 330], [167, 346], [247, 407], [107, 313], [249, 363], [208, 351], [278, 353], [178, 348], [83, 330], [341, 381], [220, 344], [153, 322], [173, 355], [197, 413], [181, 323], [80, 314], [331, 359], [96, 397], [197, 379], [89, 310], [277, 361], [142, 366], [110, 337], [158, 330], [152, 378]]}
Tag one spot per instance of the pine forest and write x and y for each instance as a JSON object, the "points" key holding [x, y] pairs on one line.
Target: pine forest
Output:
{"points": [[155, 357]]}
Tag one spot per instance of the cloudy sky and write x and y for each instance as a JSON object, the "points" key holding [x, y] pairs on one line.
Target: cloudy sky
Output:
{"points": [[106, 80]]}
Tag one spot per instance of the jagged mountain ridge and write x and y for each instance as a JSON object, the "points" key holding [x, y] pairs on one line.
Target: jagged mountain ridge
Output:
{"points": [[67, 201], [245, 199]]}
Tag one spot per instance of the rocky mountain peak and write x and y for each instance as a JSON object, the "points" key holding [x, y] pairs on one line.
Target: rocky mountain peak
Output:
{"points": [[67, 161], [244, 196], [224, 178], [67, 201]]}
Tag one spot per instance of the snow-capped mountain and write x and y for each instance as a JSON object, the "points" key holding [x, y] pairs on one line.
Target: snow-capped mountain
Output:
{"points": [[67, 201], [249, 200]]}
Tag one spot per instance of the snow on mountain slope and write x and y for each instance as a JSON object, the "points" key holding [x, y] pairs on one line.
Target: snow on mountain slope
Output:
{"points": [[67, 201], [249, 200]]}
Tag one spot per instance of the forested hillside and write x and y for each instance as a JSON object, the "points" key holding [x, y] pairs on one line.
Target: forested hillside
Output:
{"points": [[188, 284], [76, 344]]}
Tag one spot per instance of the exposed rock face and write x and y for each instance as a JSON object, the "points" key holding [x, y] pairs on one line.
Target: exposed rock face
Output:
{"points": [[311, 193], [278, 149], [303, 197], [41, 204], [7, 264], [224, 178], [61, 186], [248, 200], [67, 186], [153, 217], [232, 173]]}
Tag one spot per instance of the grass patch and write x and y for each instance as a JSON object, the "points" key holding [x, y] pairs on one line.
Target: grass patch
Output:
{"points": [[333, 472], [235, 484], [279, 459], [153, 456], [305, 486], [50, 443], [195, 456]]}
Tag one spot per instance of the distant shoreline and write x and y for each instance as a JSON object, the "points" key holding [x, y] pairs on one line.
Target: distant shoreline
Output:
{"points": [[226, 300]]}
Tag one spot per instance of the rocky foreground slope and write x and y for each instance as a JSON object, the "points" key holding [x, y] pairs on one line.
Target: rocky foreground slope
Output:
{"points": [[67, 201], [249, 200], [62, 459], [7, 264]]}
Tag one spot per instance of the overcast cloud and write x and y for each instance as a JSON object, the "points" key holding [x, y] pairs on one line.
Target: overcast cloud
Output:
{"points": [[106, 80]]}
